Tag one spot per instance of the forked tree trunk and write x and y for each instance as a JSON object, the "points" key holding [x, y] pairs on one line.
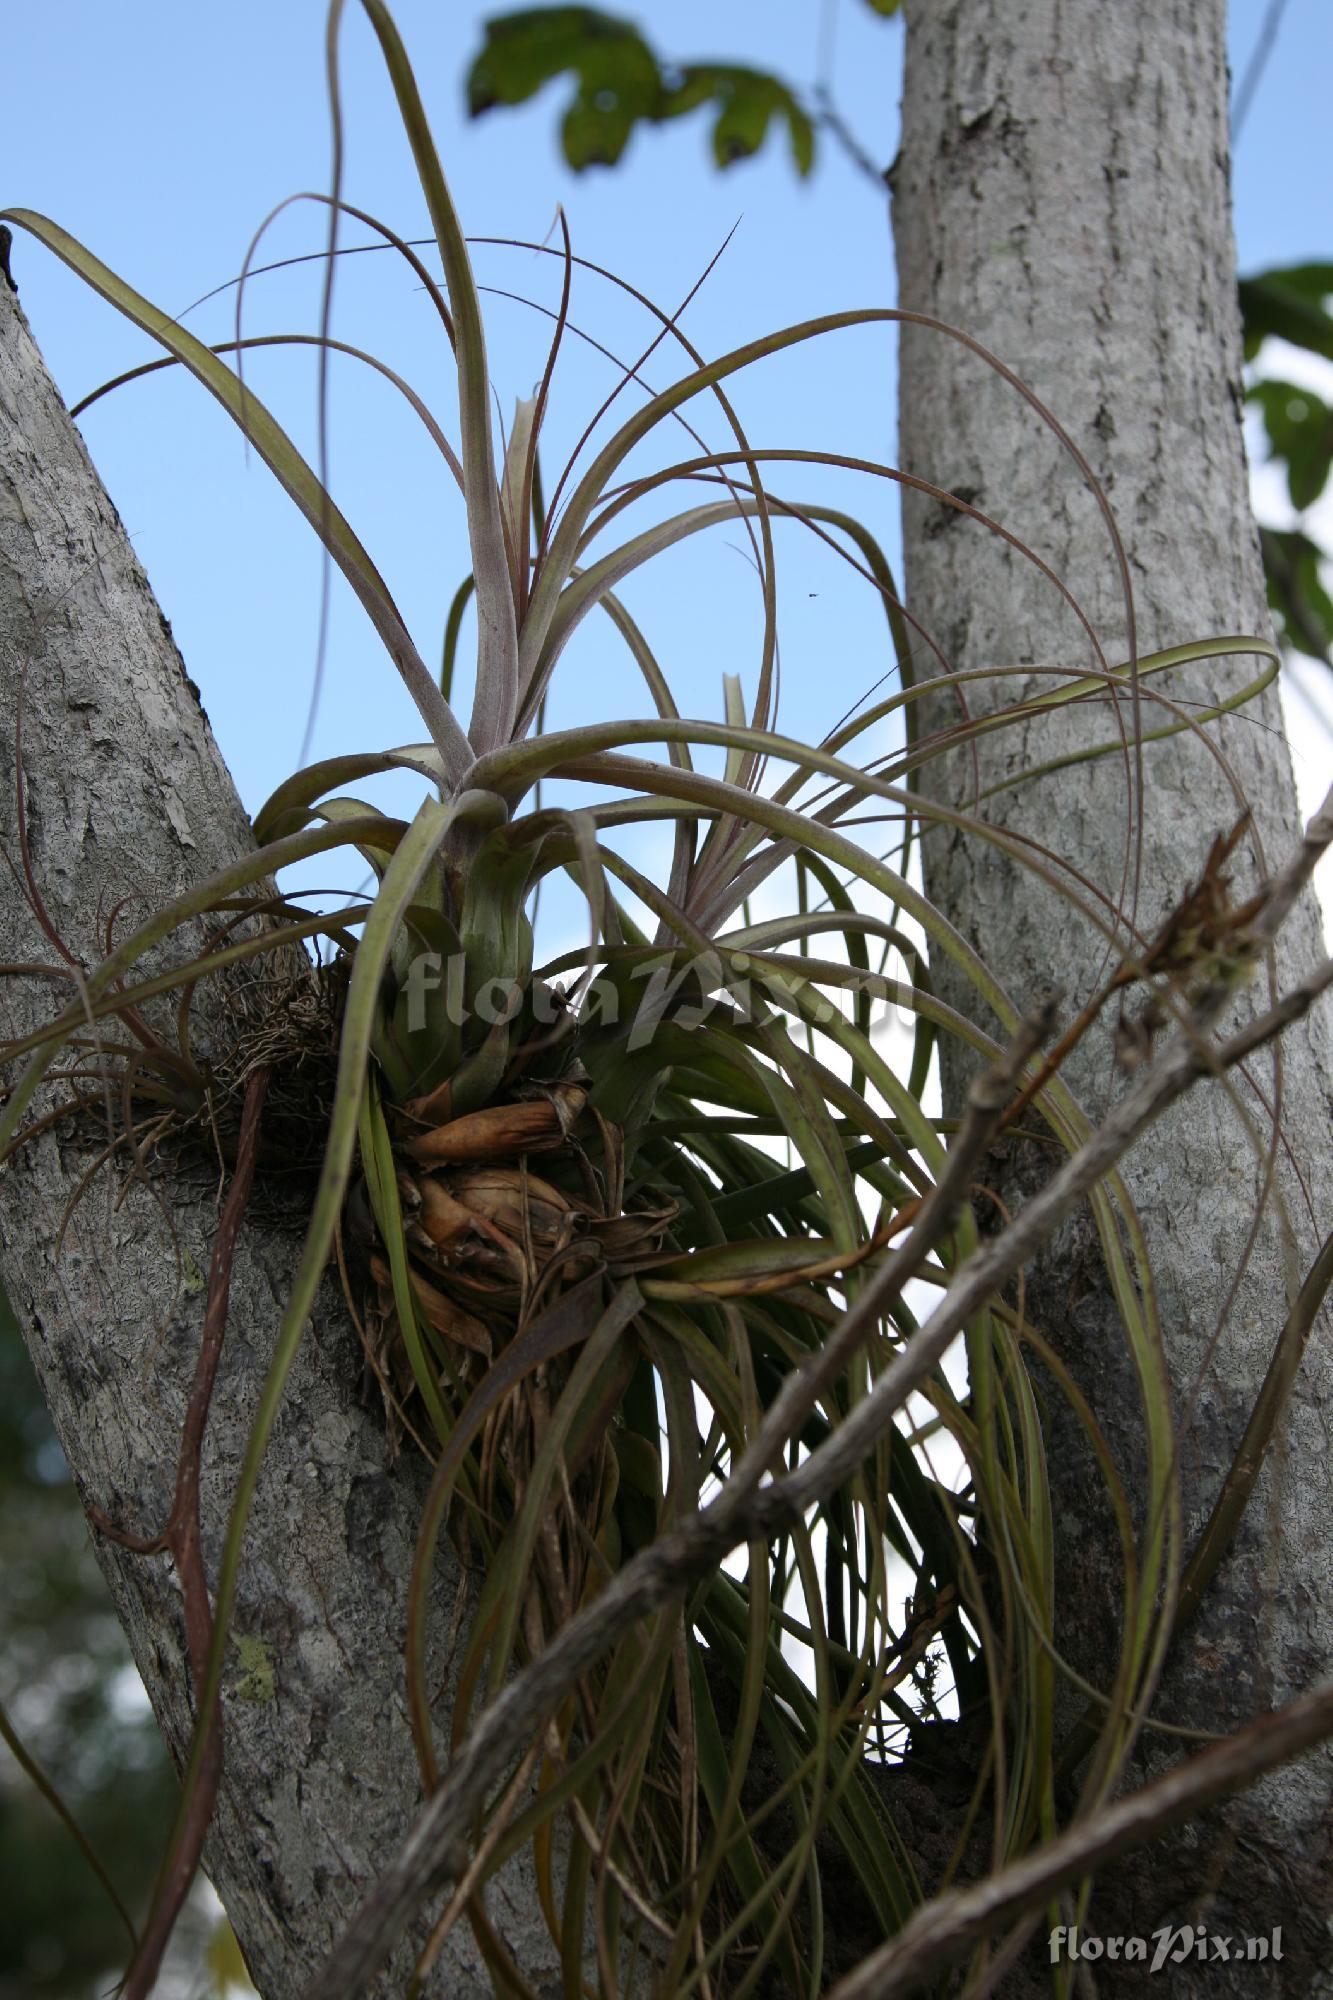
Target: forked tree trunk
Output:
{"points": [[128, 797], [1063, 195]]}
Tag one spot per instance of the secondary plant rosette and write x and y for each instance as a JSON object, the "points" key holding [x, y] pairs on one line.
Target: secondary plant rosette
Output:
{"points": [[604, 1218]]}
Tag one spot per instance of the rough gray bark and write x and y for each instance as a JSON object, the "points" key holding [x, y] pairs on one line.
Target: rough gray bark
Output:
{"points": [[128, 796], [1063, 195]]}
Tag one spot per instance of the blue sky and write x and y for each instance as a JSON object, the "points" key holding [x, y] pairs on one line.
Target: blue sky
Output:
{"points": [[162, 134]]}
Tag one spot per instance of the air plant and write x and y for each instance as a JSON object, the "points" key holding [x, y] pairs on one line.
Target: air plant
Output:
{"points": [[621, 1224]]}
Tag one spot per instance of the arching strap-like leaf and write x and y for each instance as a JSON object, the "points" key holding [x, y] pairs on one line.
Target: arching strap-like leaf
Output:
{"points": [[495, 703], [285, 810], [328, 345], [290, 469], [575, 1317], [208, 895], [414, 855], [745, 1270]]}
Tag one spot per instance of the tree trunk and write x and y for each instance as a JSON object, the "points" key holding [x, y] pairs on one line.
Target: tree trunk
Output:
{"points": [[127, 797], [1062, 194]]}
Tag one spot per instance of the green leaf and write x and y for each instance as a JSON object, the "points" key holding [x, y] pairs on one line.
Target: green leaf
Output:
{"points": [[495, 697], [747, 100], [1311, 281], [290, 807], [377, 1164], [883, 7], [290, 469], [525, 50], [1296, 590], [620, 83], [413, 856], [1299, 425], [1288, 305], [595, 134]]}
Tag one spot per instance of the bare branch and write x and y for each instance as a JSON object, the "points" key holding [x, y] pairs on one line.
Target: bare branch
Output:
{"points": [[963, 1917]]}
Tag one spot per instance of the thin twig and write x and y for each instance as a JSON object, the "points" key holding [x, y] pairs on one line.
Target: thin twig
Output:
{"points": [[836, 125], [987, 1098], [1255, 67], [960, 1918], [181, 1538]]}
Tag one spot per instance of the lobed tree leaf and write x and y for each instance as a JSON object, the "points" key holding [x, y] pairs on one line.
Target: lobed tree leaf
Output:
{"points": [[1299, 427], [1296, 592], [1291, 303], [1288, 303], [620, 82]]}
